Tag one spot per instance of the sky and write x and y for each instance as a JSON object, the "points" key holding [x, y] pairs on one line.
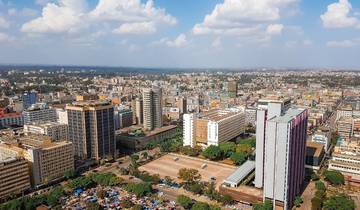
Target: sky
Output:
{"points": [[182, 33]]}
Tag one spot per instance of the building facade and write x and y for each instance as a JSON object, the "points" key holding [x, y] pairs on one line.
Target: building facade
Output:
{"points": [[91, 129], [56, 131], [152, 108], [29, 98], [39, 112]]}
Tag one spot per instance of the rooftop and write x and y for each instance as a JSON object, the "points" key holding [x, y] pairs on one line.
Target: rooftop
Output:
{"points": [[218, 114], [90, 103], [288, 116], [241, 172], [314, 149]]}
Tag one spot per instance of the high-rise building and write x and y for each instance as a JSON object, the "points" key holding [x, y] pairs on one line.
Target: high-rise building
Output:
{"points": [[91, 129], [123, 118], [232, 89], [29, 98], [14, 173], [152, 108], [139, 114], [39, 112], [280, 151]]}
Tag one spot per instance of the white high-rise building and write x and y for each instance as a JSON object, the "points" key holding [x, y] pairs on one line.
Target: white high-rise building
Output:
{"points": [[188, 134], [280, 151]]}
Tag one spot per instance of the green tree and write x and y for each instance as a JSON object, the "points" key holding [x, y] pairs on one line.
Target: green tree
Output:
{"points": [[188, 150], [189, 175], [212, 207], [250, 141], [54, 195], [226, 199], [334, 177], [69, 174], [134, 158], [339, 202], [244, 148], [145, 155], [227, 148], [139, 189], [184, 201], [319, 185], [83, 182], [137, 207], [238, 158], [212, 152], [200, 206], [267, 205], [298, 201], [168, 180]]}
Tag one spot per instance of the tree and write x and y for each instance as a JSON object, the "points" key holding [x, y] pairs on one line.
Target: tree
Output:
{"points": [[316, 203], [298, 201], [189, 175], [244, 148], [188, 150], [212, 207], [200, 206], [334, 177], [134, 158], [226, 199], [238, 158], [137, 207], [54, 195], [227, 148], [184, 201], [319, 185], [339, 202], [250, 141], [139, 189], [267, 205], [82, 182], [168, 180], [212, 152], [69, 174], [196, 188]]}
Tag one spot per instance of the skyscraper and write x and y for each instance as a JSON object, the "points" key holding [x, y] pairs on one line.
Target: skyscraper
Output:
{"points": [[29, 98], [280, 151], [91, 129], [139, 114], [152, 111]]}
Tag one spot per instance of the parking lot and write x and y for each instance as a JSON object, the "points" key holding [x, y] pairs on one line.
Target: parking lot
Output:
{"points": [[170, 164]]}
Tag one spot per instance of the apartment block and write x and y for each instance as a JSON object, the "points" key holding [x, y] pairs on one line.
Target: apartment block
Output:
{"points": [[152, 108], [345, 127]]}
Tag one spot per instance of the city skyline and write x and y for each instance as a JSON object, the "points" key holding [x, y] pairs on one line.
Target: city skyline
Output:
{"points": [[216, 33]]}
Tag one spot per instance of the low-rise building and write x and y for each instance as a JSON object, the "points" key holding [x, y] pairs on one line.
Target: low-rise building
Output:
{"points": [[345, 128], [213, 127], [315, 155], [10, 118], [322, 137], [56, 131]]}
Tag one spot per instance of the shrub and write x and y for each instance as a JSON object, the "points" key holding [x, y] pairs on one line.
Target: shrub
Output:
{"points": [[212, 152], [319, 185], [238, 158], [227, 148], [184, 201], [334, 177]]}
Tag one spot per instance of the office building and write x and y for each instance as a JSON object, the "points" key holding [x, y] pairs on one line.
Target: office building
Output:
{"points": [[283, 156], [123, 118], [346, 159], [91, 129], [139, 114], [8, 118], [267, 109], [39, 112], [14, 173], [29, 98], [232, 89], [152, 108], [56, 131], [213, 127]]}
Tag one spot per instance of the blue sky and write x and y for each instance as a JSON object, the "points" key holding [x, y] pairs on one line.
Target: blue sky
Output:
{"points": [[181, 33]]}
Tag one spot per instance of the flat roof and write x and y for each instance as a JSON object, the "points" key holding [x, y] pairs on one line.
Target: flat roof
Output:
{"points": [[218, 114], [313, 148], [244, 170], [289, 115]]}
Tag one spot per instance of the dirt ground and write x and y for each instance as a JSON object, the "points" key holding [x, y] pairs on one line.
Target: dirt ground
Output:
{"points": [[167, 166]]}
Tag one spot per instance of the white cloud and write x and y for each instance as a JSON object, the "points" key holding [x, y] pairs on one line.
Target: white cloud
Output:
{"points": [[5, 38], [136, 28], [4, 23], [179, 42], [217, 43], [274, 29], [42, 2], [338, 15], [66, 16], [26, 12], [344, 43], [130, 17], [245, 18]]}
